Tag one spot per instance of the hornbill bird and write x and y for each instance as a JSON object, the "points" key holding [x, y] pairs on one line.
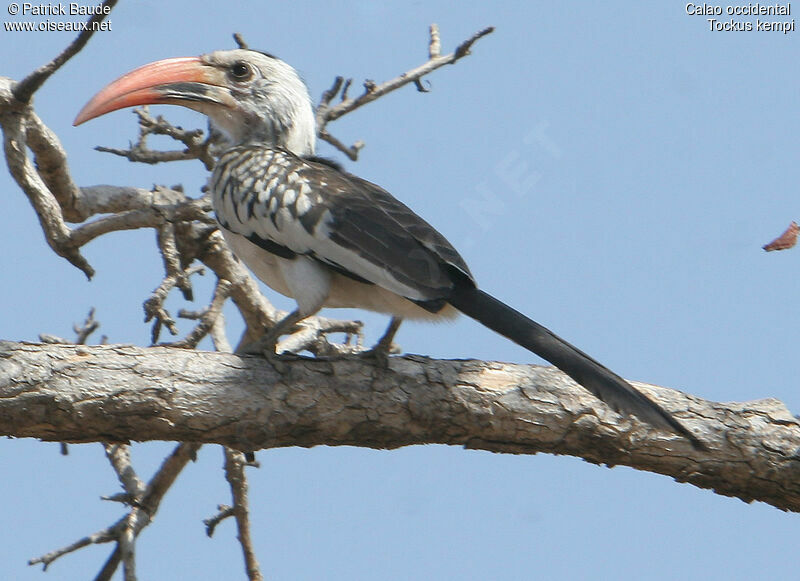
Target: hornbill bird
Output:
{"points": [[328, 238]]}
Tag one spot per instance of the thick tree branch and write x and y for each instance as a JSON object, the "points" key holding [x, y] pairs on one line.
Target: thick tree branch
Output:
{"points": [[55, 198], [13, 121], [80, 394], [51, 163], [105, 199]]}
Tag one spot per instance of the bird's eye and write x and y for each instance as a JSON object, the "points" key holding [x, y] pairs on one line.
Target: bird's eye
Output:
{"points": [[241, 71]]}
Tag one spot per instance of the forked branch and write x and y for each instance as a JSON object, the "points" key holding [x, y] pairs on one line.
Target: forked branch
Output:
{"points": [[327, 111]]}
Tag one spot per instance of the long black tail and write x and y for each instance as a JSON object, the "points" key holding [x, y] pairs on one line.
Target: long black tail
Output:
{"points": [[598, 379]]}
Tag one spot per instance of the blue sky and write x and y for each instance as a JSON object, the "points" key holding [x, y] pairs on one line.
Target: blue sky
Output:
{"points": [[611, 170]]}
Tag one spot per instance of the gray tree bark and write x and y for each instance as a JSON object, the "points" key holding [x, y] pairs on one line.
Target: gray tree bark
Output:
{"points": [[123, 393]]}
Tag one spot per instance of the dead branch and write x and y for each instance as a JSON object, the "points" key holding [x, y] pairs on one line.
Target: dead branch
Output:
{"points": [[103, 536], [211, 523], [435, 43], [239, 39], [208, 318], [125, 531], [218, 335], [24, 90], [50, 160], [173, 265], [106, 199], [350, 151], [235, 474], [50, 208], [89, 326], [372, 91], [196, 146], [119, 455], [82, 332], [79, 394], [154, 306], [24, 173], [312, 333]]}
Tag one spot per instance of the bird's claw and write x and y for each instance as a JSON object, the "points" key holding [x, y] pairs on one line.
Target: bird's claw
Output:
{"points": [[380, 353], [385, 347]]}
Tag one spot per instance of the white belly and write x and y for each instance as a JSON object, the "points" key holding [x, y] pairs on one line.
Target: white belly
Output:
{"points": [[314, 287]]}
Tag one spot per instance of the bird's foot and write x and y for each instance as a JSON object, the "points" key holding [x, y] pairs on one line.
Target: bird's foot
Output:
{"points": [[385, 347], [380, 353], [267, 345]]}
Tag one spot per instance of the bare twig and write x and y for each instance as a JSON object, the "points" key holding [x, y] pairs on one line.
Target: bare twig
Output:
{"points": [[126, 545], [435, 43], [126, 530], [119, 455], [103, 536], [327, 96], [121, 497], [218, 335], [217, 330], [149, 125], [165, 238], [351, 152], [234, 473], [25, 89], [130, 220], [237, 36], [196, 146], [312, 332], [148, 156], [372, 91], [211, 523], [346, 88], [154, 306], [110, 566], [207, 317], [90, 325]]}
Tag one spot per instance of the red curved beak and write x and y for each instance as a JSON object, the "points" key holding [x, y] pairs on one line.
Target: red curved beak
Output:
{"points": [[181, 80]]}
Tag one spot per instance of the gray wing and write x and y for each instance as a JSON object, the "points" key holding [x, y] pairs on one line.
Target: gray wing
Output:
{"points": [[291, 206], [369, 220]]}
